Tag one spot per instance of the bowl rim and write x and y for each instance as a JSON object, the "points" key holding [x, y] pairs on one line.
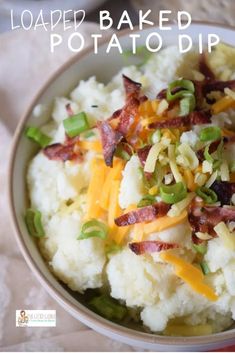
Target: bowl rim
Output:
{"points": [[83, 314]]}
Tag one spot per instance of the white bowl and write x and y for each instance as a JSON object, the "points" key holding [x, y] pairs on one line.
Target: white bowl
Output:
{"points": [[82, 67]]}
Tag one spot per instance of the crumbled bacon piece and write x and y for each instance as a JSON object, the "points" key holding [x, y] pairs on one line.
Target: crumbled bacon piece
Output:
{"points": [[143, 154], [132, 88], [212, 148], [205, 69], [60, 152], [224, 190], [110, 139], [143, 214], [149, 247], [194, 118], [204, 219], [69, 109], [127, 115], [218, 86]]}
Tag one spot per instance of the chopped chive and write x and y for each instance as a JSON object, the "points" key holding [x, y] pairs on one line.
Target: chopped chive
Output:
{"points": [[34, 223], [93, 228], [173, 193], [187, 104], [146, 200], [109, 308], [37, 136], [200, 248], [210, 133], [76, 124], [89, 134], [205, 268], [182, 87], [208, 195]]}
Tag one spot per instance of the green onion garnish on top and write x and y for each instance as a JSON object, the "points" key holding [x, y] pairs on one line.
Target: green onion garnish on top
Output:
{"points": [[200, 248], [208, 195], [34, 223], [210, 133], [76, 124], [109, 308], [205, 268], [173, 193], [187, 104], [93, 228], [146, 200], [37, 136], [182, 87]]}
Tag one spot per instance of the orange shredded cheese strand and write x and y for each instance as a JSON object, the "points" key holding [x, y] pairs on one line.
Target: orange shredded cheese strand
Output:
{"points": [[89, 145], [114, 173], [189, 274], [138, 232], [164, 222], [114, 208], [222, 105], [98, 172], [189, 179], [228, 133], [118, 233]]}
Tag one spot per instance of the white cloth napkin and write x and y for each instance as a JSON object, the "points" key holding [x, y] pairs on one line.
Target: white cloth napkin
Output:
{"points": [[25, 64]]}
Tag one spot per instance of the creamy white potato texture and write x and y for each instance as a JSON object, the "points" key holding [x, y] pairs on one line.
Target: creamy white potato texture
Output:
{"points": [[143, 281]]}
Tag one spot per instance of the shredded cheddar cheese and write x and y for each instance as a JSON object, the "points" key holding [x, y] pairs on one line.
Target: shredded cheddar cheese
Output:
{"points": [[222, 105], [98, 173], [114, 173], [189, 274], [89, 145], [164, 222]]}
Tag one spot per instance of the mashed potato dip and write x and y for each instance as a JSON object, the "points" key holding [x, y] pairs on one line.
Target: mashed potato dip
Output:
{"points": [[132, 192]]}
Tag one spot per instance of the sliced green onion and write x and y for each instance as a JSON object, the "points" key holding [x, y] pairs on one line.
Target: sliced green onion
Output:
{"points": [[173, 193], [124, 151], [89, 134], [36, 135], [93, 228], [187, 104], [207, 155], [76, 124], [34, 223], [200, 248], [146, 200], [155, 137], [109, 308], [205, 268], [208, 195], [210, 133], [185, 85]]}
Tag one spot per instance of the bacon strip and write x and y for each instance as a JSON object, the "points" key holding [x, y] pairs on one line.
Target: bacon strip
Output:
{"points": [[224, 190], [143, 154], [205, 69], [69, 109], [110, 139], [143, 214], [214, 145], [204, 219], [149, 247], [60, 152], [218, 86], [194, 118], [127, 115], [132, 88]]}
